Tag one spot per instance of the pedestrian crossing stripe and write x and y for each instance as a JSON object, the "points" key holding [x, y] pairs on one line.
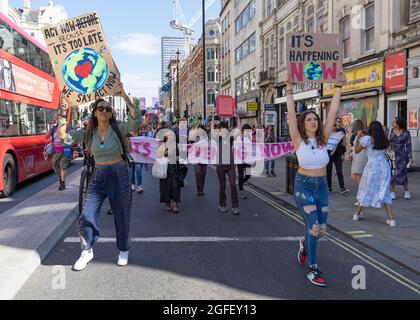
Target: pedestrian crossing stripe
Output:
{"points": [[359, 234]]}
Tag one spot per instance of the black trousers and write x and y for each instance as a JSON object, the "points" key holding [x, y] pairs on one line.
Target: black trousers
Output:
{"points": [[338, 162], [243, 177]]}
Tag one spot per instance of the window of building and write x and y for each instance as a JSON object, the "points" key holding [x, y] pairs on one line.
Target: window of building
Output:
{"points": [[281, 47], [269, 8], [245, 83], [238, 86], [252, 43], [267, 54], [320, 16], [211, 74], [238, 54], [369, 31], [310, 17], [296, 24], [210, 53], [345, 35], [253, 80], [211, 97]]}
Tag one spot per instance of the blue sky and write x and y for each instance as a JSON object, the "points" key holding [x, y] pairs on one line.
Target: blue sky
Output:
{"points": [[133, 29]]}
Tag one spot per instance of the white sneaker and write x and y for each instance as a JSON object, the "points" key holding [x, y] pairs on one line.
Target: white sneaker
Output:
{"points": [[85, 258], [357, 203], [407, 195], [356, 217], [393, 196], [123, 258], [391, 223], [133, 187], [140, 190]]}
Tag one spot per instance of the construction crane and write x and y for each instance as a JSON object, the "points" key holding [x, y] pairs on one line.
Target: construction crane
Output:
{"points": [[181, 24]]}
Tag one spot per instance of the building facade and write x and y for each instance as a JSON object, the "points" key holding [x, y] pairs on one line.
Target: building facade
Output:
{"points": [[191, 74], [169, 47], [33, 20], [240, 56]]}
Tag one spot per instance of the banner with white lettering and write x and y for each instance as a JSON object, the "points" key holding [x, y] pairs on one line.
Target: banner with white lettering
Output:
{"points": [[143, 150], [81, 59]]}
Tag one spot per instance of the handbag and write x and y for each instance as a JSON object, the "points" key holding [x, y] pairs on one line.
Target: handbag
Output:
{"points": [[160, 168], [390, 158]]}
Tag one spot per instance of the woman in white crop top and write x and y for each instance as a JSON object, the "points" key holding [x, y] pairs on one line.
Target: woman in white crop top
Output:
{"points": [[309, 138]]}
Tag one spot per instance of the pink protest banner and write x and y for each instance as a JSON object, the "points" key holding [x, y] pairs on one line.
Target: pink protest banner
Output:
{"points": [[314, 58], [143, 149]]}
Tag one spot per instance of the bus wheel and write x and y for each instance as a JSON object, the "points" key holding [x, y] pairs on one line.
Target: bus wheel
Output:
{"points": [[9, 176]]}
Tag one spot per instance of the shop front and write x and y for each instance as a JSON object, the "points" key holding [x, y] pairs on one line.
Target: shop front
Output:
{"points": [[395, 84], [248, 106], [413, 105], [361, 97], [307, 96]]}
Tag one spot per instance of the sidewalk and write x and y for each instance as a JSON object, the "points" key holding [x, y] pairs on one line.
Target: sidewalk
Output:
{"points": [[31, 229], [401, 243]]}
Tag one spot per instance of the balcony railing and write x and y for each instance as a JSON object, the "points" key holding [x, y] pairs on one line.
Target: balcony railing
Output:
{"points": [[267, 77]]}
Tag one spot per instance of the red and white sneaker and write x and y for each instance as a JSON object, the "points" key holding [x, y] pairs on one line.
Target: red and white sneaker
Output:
{"points": [[314, 276], [302, 254]]}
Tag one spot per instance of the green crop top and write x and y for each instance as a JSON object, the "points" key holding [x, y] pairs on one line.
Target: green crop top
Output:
{"points": [[111, 148]]}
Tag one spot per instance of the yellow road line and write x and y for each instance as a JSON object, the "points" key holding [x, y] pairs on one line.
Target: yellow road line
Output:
{"points": [[361, 255]]}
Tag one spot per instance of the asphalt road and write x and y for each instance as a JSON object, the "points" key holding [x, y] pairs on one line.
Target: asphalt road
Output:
{"points": [[30, 187], [205, 254]]}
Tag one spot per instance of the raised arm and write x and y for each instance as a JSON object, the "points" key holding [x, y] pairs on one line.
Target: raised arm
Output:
{"points": [[291, 114], [335, 104]]}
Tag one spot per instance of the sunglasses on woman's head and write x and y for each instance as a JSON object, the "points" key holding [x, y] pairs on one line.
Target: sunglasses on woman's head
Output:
{"points": [[102, 109]]}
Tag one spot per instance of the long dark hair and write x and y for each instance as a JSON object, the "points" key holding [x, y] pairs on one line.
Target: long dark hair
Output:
{"points": [[401, 123], [93, 121], [380, 140], [319, 135]]}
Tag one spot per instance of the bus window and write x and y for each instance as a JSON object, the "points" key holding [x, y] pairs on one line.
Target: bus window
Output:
{"points": [[6, 38], [27, 119], [9, 125]]}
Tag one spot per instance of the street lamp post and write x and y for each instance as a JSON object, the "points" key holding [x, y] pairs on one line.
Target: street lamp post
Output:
{"points": [[204, 61], [177, 81]]}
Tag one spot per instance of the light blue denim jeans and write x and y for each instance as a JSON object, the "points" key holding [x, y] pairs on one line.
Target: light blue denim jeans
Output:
{"points": [[311, 196]]}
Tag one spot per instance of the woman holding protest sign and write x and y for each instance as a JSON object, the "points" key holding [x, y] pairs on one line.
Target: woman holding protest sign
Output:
{"points": [[309, 138], [111, 178]]}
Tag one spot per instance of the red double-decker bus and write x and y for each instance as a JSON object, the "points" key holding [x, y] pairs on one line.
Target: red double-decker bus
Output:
{"points": [[29, 99]]}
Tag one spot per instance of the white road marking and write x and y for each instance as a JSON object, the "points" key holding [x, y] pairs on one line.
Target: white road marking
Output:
{"points": [[361, 255], [196, 239]]}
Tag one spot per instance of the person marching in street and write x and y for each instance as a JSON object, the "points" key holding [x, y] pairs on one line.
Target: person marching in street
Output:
{"points": [[137, 168], [244, 176], [111, 177], [226, 163], [311, 190], [269, 164], [400, 143], [359, 160], [60, 160], [170, 188], [196, 135], [374, 188], [336, 158]]}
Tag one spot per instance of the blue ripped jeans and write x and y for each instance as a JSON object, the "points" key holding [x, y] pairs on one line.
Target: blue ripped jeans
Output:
{"points": [[311, 196]]}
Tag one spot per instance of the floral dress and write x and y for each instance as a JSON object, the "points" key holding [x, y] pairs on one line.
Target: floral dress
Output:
{"points": [[376, 179], [401, 145]]}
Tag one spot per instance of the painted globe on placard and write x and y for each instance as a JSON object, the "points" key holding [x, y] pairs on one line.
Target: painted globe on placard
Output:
{"points": [[313, 71], [85, 71]]}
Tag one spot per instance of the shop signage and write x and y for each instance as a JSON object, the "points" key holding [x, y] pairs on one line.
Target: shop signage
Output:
{"points": [[302, 87], [395, 72], [413, 72], [413, 119], [252, 106], [313, 57], [360, 78], [270, 118]]}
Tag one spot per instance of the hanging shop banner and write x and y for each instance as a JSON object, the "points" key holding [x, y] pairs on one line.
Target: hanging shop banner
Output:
{"points": [[225, 106], [81, 59], [361, 78], [314, 58], [395, 72]]}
